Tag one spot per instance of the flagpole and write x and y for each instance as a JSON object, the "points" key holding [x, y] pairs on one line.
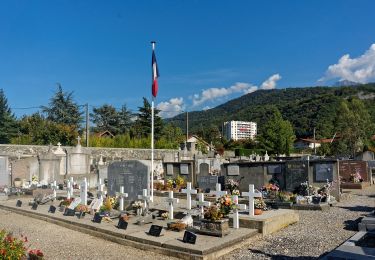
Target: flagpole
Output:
{"points": [[152, 140]]}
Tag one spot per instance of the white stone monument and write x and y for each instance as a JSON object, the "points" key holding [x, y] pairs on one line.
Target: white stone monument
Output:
{"points": [[170, 200], [201, 203], [100, 189], [83, 191], [251, 194], [237, 207], [54, 188], [218, 192], [188, 192], [121, 195]]}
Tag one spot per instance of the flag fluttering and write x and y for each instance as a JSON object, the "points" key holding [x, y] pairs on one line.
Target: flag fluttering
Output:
{"points": [[155, 75]]}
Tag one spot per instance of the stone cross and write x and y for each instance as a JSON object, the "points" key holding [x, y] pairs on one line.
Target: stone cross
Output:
{"points": [[145, 197], [83, 193], [251, 194], [201, 203], [121, 195], [54, 187], [69, 188], [170, 200], [100, 189], [237, 207], [188, 192], [78, 140], [218, 192]]}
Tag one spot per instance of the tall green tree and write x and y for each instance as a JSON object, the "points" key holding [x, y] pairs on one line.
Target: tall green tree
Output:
{"points": [[125, 117], [62, 109], [353, 126], [277, 136], [106, 118], [8, 125], [143, 122]]}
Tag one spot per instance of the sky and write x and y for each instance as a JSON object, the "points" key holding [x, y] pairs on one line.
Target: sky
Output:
{"points": [[208, 52]]}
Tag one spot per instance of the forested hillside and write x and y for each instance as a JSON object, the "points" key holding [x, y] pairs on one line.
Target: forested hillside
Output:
{"points": [[305, 108]]}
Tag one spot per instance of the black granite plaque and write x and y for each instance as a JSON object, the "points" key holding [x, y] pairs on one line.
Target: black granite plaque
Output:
{"points": [[122, 224], [189, 237], [69, 212], [19, 203], [52, 209], [35, 206], [155, 230], [97, 218], [322, 172]]}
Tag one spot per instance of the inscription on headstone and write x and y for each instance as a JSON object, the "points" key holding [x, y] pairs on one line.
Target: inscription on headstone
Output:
{"points": [[189, 237], [207, 182], [233, 170], [184, 169], [155, 230], [52, 209], [352, 167], [170, 169], [204, 169], [296, 173], [322, 172]]}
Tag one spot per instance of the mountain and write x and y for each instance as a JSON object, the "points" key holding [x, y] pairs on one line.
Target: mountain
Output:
{"points": [[346, 83], [305, 108]]}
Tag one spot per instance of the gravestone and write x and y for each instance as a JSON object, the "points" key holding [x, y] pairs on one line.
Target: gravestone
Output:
{"points": [[4, 174], [296, 173], [323, 172], [134, 175], [96, 204], [204, 169], [122, 224], [169, 169], [155, 230], [35, 206], [346, 168], [19, 203], [189, 237], [78, 160], [97, 218], [184, 169], [233, 170], [75, 203], [275, 172], [207, 183], [52, 209]]}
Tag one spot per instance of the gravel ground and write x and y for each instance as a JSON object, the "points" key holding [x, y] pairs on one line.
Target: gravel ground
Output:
{"points": [[314, 235], [57, 242]]}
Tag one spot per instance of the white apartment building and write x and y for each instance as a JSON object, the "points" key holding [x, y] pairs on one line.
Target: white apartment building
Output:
{"points": [[237, 130]]}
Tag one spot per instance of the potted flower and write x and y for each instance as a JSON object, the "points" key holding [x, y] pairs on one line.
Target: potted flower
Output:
{"points": [[232, 185], [179, 181], [259, 206], [270, 190], [225, 204], [213, 223], [165, 215], [138, 205], [82, 209], [64, 204], [36, 254]]}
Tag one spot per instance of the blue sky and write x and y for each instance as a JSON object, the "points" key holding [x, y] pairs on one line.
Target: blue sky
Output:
{"points": [[208, 51]]}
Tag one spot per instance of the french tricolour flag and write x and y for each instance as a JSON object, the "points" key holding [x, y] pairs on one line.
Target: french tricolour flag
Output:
{"points": [[155, 75]]}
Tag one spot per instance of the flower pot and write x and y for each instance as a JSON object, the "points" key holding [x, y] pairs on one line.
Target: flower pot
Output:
{"points": [[258, 211]]}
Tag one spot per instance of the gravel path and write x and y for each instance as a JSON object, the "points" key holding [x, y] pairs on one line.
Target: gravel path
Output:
{"points": [[315, 234], [57, 242]]}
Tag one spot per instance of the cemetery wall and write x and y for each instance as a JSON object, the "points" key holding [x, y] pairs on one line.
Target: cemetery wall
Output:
{"points": [[96, 152]]}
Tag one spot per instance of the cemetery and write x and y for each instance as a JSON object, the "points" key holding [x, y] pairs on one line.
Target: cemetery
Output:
{"points": [[200, 208]]}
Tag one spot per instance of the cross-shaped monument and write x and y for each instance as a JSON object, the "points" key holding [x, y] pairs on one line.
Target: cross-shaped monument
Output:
{"points": [[237, 207], [188, 192], [121, 195], [100, 189], [146, 198], [251, 194], [170, 200], [218, 192], [69, 188], [78, 140], [201, 203], [54, 188], [83, 191]]}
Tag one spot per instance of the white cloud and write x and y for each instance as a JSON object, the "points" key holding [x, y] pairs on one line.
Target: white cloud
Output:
{"points": [[171, 108], [214, 93], [270, 83], [360, 69]]}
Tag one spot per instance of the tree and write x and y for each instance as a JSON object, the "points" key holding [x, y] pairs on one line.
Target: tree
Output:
{"points": [[173, 135], [143, 122], [125, 117], [8, 124], [354, 127], [106, 118], [62, 109], [277, 135]]}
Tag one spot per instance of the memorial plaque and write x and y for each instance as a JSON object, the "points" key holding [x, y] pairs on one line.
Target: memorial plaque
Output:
{"points": [[323, 171], [155, 230], [134, 175], [274, 169], [207, 182], [346, 168], [97, 218], [19, 203], [122, 224], [35, 206], [296, 173], [184, 169], [233, 170], [52, 209], [170, 169], [69, 212], [204, 169], [189, 237]]}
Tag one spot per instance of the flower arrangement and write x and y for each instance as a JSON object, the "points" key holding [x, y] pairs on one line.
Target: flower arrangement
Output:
{"points": [[169, 184], [213, 213], [285, 196], [260, 204], [232, 185], [108, 204], [165, 215], [66, 202], [180, 181], [225, 204], [82, 208], [137, 204], [16, 248], [35, 178], [158, 186], [270, 190], [356, 177]]}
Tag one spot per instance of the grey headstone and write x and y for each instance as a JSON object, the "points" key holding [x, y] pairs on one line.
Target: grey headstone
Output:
{"points": [[323, 171], [204, 169], [296, 173], [134, 175], [233, 170], [184, 169], [170, 169], [207, 182], [4, 175]]}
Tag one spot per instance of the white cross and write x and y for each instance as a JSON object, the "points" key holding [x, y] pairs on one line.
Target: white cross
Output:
{"points": [[201, 203], [78, 140], [54, 187], [121, 195], [145, 198], [237, 207], [83, 193], [100, 189], [69, 188], [188, 192], [170, 200], [251, 194], [218, 192]]}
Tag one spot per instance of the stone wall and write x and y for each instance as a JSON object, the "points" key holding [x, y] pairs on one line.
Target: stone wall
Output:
{"points": [[15, 151]]}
